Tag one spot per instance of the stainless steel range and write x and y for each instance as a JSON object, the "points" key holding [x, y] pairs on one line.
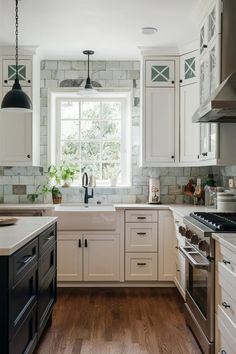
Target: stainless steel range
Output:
{"points": [[199, 252]]}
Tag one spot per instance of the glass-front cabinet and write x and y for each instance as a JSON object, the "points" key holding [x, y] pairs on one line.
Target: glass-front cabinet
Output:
{"points": [[24, 72], [189, 68], [160, 73]]}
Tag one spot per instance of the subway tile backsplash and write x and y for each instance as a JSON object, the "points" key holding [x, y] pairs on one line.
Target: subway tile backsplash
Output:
{"points": [[17, 182]]}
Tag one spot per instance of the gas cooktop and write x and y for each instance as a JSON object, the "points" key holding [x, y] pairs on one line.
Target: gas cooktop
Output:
{"points": [[219, 222]]}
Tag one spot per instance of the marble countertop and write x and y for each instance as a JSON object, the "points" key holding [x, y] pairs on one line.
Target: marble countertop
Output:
{"points": [[26, 206], [228, 240], [13, 237]]}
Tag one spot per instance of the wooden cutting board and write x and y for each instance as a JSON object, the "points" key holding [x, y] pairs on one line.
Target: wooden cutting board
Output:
{"points": [[7, 220]]}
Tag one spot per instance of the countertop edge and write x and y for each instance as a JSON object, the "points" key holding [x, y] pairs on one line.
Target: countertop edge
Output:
{"points": [[220, 238]]}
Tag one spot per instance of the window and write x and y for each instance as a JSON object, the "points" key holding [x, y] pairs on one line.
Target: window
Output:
{"points": [[94, 134]]}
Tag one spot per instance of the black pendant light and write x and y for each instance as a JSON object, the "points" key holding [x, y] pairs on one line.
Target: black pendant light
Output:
{"points": [[88, 88], [16, 99]]}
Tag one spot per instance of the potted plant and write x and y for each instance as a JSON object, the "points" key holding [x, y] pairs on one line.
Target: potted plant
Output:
{"points": [[67, 173]]}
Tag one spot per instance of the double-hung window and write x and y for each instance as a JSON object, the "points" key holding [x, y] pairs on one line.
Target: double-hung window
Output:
{"points": [[94, 134]]}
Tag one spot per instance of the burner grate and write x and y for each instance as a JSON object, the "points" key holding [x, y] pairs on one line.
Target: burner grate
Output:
{"points": [[220, 222]]}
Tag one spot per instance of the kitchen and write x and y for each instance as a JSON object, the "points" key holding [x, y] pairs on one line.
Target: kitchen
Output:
{"points": [[127, 139]]}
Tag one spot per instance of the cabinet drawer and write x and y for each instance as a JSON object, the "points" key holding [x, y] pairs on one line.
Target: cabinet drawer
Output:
{"points": [[26, 338], [226, 334], [24, 259], [47, 263], [226, 257], [141, 216], [46, 239], [21, 299], [141, 237], [46, 299], [141, 266]]}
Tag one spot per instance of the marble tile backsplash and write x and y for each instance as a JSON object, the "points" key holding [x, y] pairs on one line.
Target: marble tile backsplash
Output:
{"points": [[17, 182]]}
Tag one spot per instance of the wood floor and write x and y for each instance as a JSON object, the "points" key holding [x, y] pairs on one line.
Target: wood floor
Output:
{"points": [[118, 321]]}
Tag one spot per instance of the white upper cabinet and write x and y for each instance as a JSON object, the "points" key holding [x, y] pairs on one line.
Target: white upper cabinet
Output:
{"points": [[160, 73], [20, 132], [160, 125], [189, 68]]}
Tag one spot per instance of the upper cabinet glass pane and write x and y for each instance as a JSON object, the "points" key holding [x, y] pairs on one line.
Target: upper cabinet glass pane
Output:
{"points": [[190, 68], [12, 72], [211, 24], [213, 78], [202, 38], [160, 73]]}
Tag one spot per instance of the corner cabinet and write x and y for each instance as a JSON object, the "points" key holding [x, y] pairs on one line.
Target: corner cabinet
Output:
{"points": [[160, 110], [19, 134]]}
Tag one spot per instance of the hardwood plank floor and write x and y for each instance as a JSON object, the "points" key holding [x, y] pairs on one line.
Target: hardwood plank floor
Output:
{"points": [[118, 321]]}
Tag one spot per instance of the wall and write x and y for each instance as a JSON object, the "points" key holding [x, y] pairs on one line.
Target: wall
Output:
{"points": [[16, 183]]}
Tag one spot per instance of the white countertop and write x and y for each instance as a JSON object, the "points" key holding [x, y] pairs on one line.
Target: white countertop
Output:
{"points": [[26, 206], [15, 236], [228, 240]]}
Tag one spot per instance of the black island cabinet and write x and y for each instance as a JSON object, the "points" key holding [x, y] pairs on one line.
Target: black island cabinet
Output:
{"points": [[27, 293]]}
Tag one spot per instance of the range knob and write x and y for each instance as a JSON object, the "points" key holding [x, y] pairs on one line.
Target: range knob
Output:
{"points": [[194, 239], [188, 234], [204, 246], [182, 230]]}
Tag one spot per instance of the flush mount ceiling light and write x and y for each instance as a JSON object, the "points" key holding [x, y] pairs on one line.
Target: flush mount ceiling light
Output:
{"points": [[148, 30], [16, 99], [88, 88]]}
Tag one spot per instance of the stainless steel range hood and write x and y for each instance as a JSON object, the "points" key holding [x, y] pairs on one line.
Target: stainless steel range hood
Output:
{"points": [[221, 106]]}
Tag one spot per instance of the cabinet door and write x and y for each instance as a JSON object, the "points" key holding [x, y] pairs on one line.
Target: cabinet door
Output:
{"points": [[214, 21], [209, 145], [24, 72], [204, 78], [15, 137], [69, 256], [214, 64], [160, 125], [189, 131], [188, 68], [203, 36], [166, 257], [160, 73], [101, 257]]}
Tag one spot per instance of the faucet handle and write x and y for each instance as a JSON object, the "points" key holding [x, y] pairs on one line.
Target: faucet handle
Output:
{"points": [[85, 179]]}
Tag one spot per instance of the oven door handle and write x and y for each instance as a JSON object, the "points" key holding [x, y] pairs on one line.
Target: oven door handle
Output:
{"points": [[200, 265]]}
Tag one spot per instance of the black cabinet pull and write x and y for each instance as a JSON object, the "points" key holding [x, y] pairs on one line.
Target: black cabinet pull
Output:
{"points": [[204, 154], [29, 81], [198, 156], [172, 82], [178, 270], [5, 81], [28, 156], [226, 262], [204, 45], [79, 243], [141, 264], [225, 305], [26, 259], [181, 81], [141, 217], [172, 156], [177, 247], [85, 243], [141, 233]]}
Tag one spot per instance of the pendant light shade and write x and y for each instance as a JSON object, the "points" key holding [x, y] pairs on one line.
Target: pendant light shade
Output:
{"points": [[16, 99]]}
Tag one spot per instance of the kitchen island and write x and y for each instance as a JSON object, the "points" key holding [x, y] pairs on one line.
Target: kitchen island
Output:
{"points": [[27, 282]]}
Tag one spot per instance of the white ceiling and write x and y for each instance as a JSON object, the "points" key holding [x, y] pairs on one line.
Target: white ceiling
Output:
{"points": [[64, 28]]}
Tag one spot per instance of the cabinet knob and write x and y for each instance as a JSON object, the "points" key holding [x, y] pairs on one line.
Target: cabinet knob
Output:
{"points": [[204, 45], [28, 156], [172, 156], [226, 262], [223, 351], [225, 305], [181, 81], [29, 81], [172, 82], [198, 156], [85, 243], [5, 81]]}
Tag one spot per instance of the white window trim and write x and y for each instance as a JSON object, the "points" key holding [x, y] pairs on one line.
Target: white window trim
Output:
{"points": [[54, 128]]}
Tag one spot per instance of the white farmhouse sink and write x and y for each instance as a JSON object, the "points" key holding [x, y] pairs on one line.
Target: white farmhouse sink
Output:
{"points": [[85, 217]]}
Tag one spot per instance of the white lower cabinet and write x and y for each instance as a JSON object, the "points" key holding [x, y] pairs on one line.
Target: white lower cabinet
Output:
{"points": [[140, 237], [141, 266], [69, 257], [88, 257], [166, 246], [101, 257]]}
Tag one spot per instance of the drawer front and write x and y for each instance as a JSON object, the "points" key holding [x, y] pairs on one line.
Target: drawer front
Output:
{"points": [[46, 239], [46, 299], [26, 338], [226, 342], [141, 266], [47, 263], [21, 299], [141, 216], [141, 237], [226, 257], [24, 259]]}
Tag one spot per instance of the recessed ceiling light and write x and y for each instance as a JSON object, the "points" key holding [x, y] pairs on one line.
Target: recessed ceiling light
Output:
{"points": [[148, 30]]}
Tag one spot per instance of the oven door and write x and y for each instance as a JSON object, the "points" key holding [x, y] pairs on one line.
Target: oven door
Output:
{"points": [[200, 289]]}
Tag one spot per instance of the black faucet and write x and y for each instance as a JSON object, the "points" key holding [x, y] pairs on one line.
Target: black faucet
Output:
{"points": [[86, 186]]}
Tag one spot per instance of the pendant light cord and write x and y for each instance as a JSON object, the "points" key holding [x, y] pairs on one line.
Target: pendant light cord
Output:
{"points": [[16, 32], [88, 66]]}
